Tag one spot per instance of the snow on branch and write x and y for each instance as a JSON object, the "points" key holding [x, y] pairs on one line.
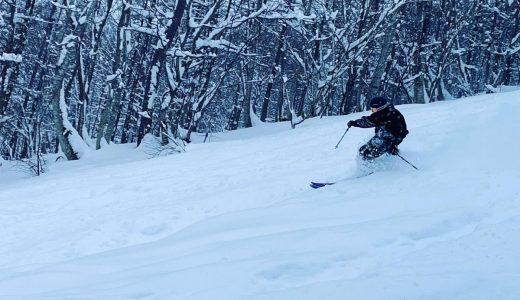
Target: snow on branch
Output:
{"points": [[295, 14], [5, 118], [58, 5], [141, 29], [111, 77], [515, 38], [11, 57], [218, 44], [205, 99], [382, 17], [204, 20], [229, 23], [35, 19], [353, 49], [67, 42], [512, 51], [177, 52]]}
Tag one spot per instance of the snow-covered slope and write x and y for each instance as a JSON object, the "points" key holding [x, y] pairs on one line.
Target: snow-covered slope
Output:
{"points": [[236, 219]]}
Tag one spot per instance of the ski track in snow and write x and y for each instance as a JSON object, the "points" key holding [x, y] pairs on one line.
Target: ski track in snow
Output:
{"points": [[236, 219]]}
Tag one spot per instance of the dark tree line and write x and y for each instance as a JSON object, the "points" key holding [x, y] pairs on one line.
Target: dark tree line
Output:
{"points": [[78, 74]]}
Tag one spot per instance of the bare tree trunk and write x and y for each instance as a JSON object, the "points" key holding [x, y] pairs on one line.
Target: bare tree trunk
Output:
{"points": [[274, 70], [386, 48], [246, 90], [16, 43], [423, 8], [155, 66], [64, 129], [85, 76], [114, 84], [508, 65]]}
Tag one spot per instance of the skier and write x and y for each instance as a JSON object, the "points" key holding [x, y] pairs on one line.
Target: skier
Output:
{"points": [[390, 132], [390, 129]]}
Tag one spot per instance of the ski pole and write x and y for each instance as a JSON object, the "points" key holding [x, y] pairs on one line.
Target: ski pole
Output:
{"points": [[342, 137], [407, 161]]}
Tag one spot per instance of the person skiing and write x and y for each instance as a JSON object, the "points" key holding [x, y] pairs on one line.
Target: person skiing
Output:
{"points": [[390, 129]]}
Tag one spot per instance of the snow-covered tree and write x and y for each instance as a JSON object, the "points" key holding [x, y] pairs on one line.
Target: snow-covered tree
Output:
{"points": [[78, 74]]}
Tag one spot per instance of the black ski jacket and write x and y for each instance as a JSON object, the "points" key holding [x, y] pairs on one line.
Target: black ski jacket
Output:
{"points": [[388, 118]]}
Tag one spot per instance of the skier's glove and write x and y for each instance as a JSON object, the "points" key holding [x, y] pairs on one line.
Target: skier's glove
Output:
{"points": [[393, 150], [351, 123]]}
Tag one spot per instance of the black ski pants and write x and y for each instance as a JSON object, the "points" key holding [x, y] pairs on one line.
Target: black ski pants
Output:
{"points": [[383, 142]]}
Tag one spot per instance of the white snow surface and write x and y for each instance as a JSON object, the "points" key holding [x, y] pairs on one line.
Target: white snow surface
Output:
{"points": [[236, 219]]}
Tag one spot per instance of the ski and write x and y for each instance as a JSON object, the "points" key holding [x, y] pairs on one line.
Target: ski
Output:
{"points": [[317, 185]]}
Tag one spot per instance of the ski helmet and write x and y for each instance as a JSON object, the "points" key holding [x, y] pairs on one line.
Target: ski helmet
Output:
{"points": [[377, 102]]}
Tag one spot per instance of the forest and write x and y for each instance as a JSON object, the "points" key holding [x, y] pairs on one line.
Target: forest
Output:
{"points": [[77, 74]]}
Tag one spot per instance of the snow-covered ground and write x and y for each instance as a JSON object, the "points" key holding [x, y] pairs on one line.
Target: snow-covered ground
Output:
{"points": [[236, 219]]}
